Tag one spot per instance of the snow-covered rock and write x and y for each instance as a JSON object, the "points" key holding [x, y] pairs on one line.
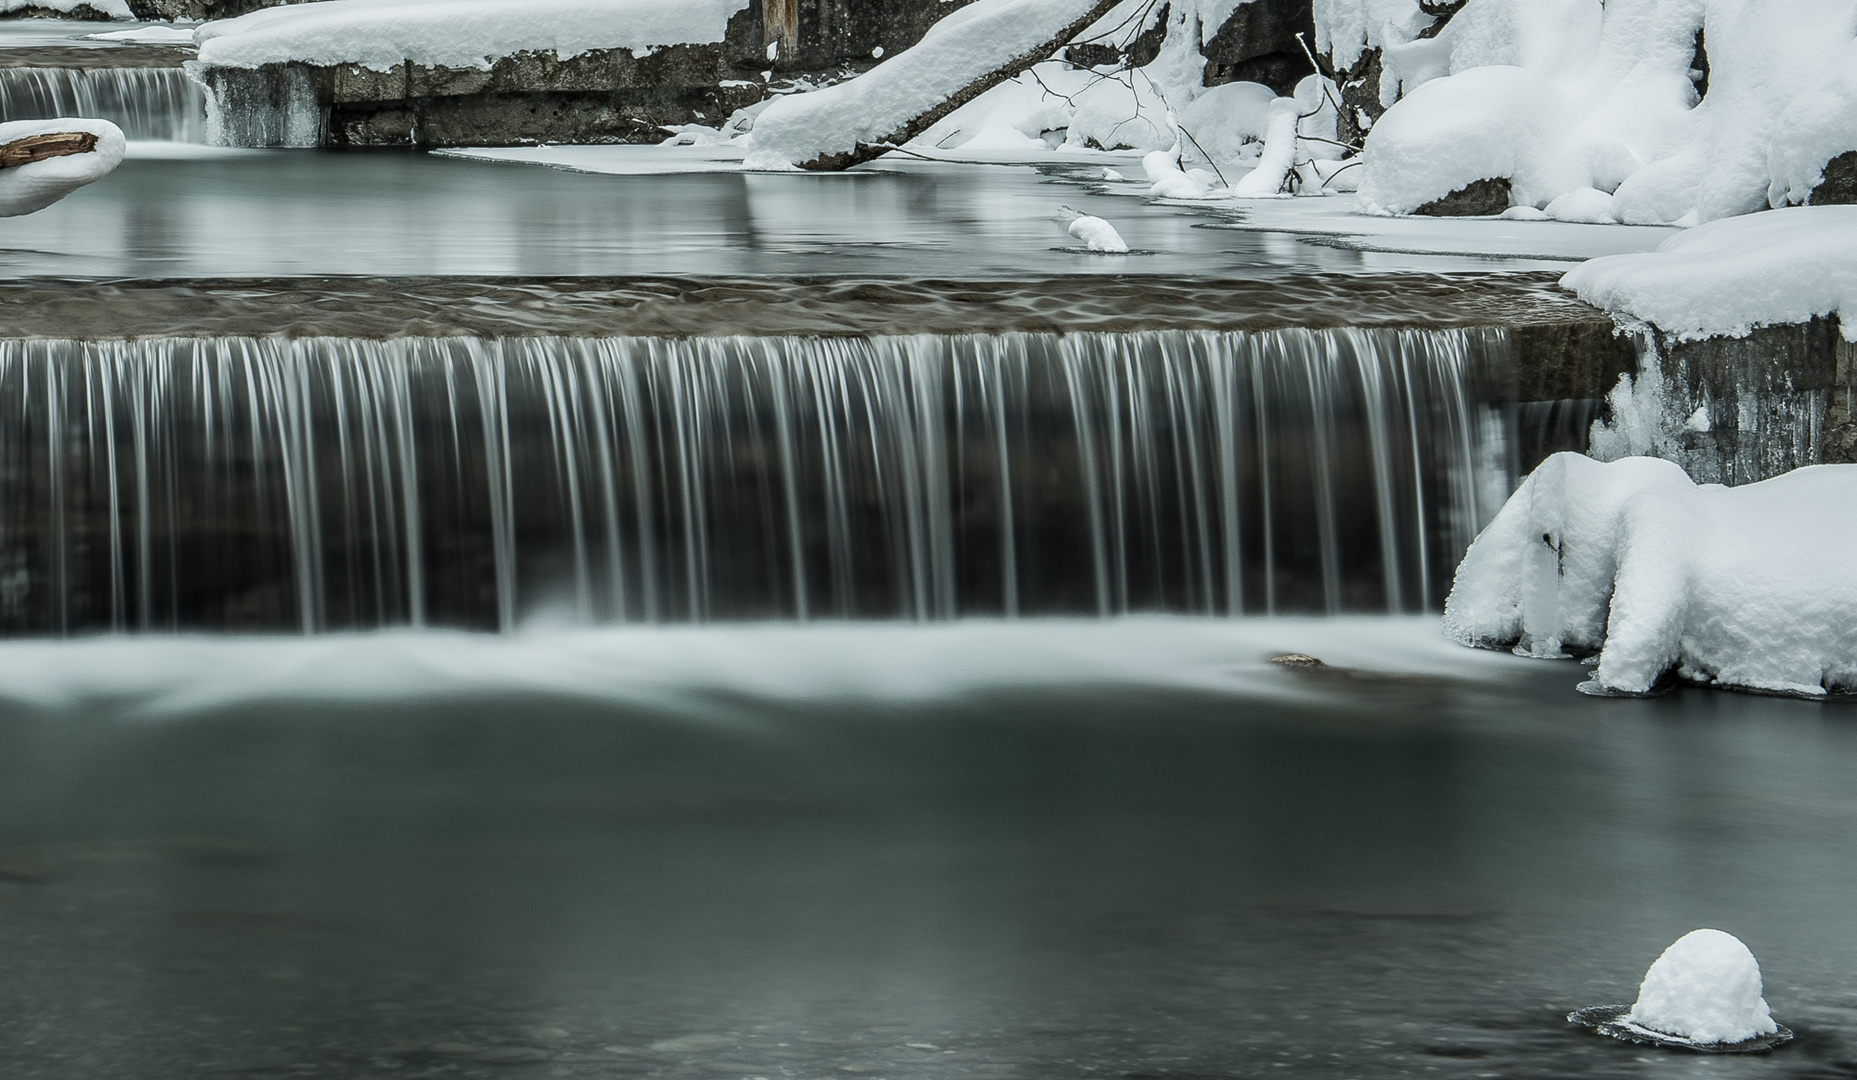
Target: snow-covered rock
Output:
{"points": [[1749, 587], [111, 9], [1098, 235], [1565, 95], [384, 34], [36, 185], [1728, 277], [1705, 988], [957, 52]]}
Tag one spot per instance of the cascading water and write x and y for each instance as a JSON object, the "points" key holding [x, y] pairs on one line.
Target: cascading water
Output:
{"points": [[330, 483], [153, 103]]}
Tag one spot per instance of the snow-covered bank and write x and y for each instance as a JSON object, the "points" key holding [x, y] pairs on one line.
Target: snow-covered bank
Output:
{"points": [[109, 9], [658, 665], [38, 184], [384, 34], [1601, 101], [877, 106], [1725, 278], [1750, 587]]}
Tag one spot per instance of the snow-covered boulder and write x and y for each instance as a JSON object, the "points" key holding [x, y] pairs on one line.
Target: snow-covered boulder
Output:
{"points": [[1726, 278], [1704, 989], [1558, 96], [1749, 587], [38, 184]]}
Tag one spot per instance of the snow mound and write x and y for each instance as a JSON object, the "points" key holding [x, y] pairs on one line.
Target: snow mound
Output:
{"points": [[1749, 587], [383, 34], [1560, 96], [1098, 235], [960, 49], [1705, 988], [37, 185], [1728, 277]]}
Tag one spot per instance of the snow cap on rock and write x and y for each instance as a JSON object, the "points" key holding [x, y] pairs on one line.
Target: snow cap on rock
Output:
{"points": [[1704, 988]]}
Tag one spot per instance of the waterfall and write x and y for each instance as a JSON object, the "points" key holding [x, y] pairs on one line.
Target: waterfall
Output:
{"points": [[330, 483], [156, 103]]}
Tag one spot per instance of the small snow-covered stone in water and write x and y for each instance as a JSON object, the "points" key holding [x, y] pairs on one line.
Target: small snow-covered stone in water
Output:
{"points": [[1111, 174], [1584, 206], [1098, 235], [1706, 989]]}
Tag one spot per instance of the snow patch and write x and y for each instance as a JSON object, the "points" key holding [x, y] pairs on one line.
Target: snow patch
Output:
{"points": [[1748, 587], [115, 9], [1728, 277]]}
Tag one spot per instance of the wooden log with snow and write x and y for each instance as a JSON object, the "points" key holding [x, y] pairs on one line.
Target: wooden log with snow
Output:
{"points": [[42, 161], [961, 57]]}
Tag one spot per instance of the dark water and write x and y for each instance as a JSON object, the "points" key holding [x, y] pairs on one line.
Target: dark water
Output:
{"points": [[1409, 878]]}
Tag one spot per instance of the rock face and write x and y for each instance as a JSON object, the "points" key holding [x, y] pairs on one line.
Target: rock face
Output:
{"points": [[1840, 183], [1479, 198], [1258, 44], [605, 96]]}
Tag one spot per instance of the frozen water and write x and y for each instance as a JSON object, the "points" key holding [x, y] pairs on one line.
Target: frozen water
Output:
{"points": [[1704, 988]]}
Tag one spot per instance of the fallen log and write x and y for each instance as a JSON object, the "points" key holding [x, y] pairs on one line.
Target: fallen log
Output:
{"points": [[955, 62], [40, 147]]}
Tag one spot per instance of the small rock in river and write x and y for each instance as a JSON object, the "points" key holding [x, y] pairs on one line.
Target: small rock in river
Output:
{"points": [[1703, 993], [1296, 660]]}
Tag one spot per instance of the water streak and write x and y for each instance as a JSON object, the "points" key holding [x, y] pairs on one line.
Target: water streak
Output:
{"points": [[153, 103], [329, 483]]}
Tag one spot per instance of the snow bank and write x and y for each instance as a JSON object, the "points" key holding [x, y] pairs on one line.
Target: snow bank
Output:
{"points": [[383, 34], [1749, 587], [1728, 277], [1344, 29], [1567, 95], [870, 109], [37, 185], [115, 9], [1706, 989]]}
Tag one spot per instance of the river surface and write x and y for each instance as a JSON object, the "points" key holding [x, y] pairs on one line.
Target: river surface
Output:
{"points": [[181, 211], [949, 856]]}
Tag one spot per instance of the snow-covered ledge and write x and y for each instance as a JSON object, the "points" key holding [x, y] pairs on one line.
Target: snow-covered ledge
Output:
{"points": [[1752, 322], [1748, 588]]}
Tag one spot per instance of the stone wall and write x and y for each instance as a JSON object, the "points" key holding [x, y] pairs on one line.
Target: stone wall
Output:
{"points": [[603, 96]]}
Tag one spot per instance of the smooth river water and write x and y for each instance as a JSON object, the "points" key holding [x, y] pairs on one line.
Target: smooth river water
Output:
{"points": [[821, 863]]}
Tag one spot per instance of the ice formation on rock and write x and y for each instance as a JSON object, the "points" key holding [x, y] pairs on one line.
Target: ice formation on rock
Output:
{"points": [[1728, 277], [1749, 587], [38, 184], [1705, 988]]}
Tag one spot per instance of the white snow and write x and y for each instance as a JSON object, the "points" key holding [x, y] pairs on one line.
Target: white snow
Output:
{"points": [[37, 185], [148, 35], [115, 9], [613, 160], [957, 50], [1098, 235], [715, 665], [383, 34], [1749, 587], [1727, 277], [1706, 989], [1347, 28], [1563, 96]]}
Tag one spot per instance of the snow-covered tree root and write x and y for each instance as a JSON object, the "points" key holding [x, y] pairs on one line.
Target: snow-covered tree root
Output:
{"points": [[1749, 588], [42, 161], [961, 57]]}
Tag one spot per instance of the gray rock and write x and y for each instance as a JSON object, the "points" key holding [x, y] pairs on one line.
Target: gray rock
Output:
{"points": [[1479, 198], [1839, 187]]}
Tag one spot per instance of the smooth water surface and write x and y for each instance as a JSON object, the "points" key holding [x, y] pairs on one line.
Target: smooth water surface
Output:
{"points": [[205, 213], [1366, 876]]}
